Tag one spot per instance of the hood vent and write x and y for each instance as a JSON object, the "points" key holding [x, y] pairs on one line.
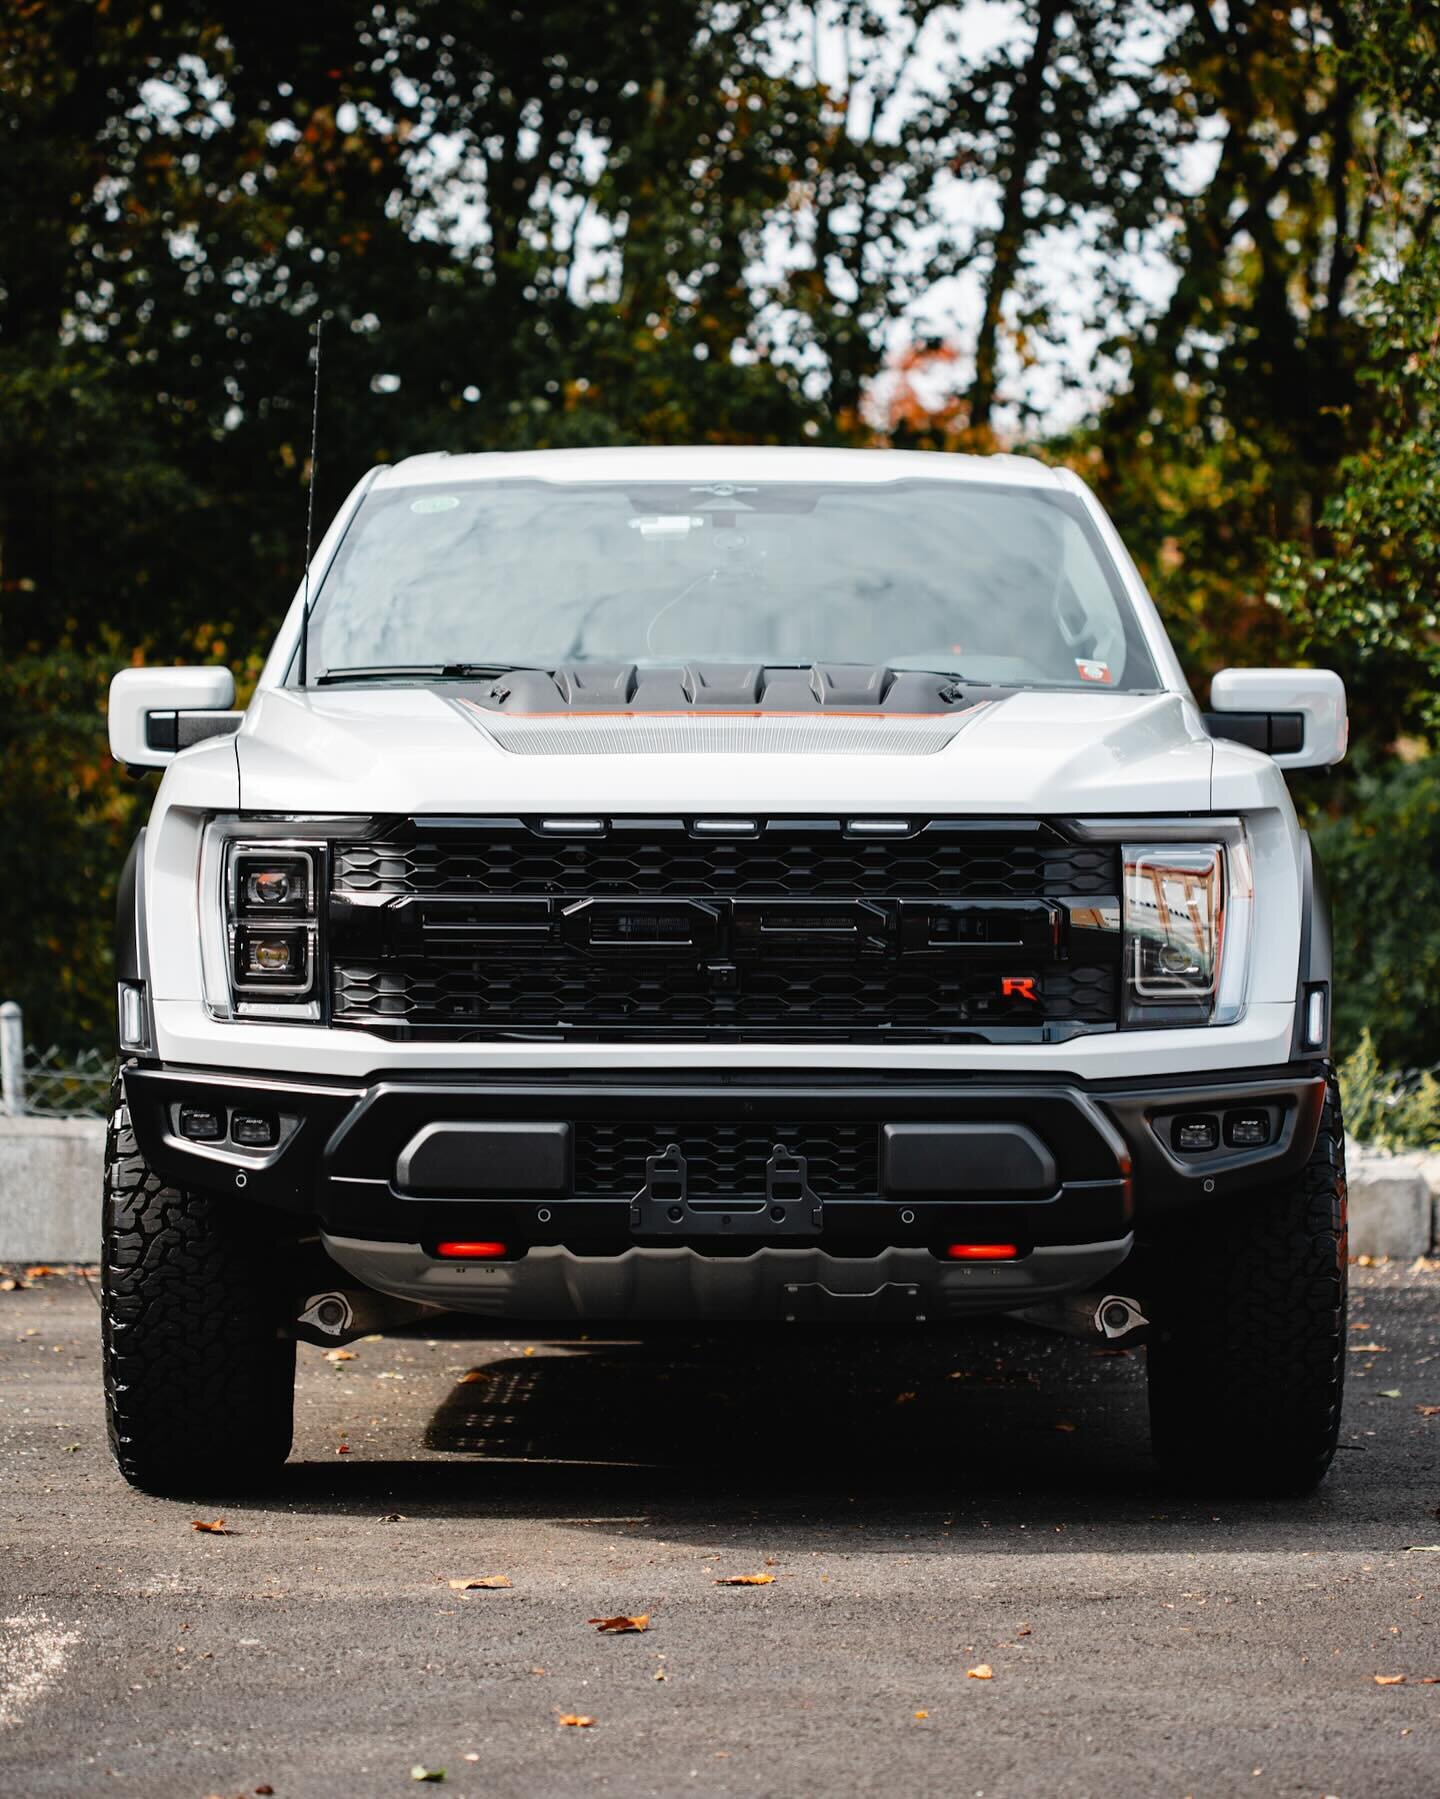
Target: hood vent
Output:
{"points": [[818, 733]]}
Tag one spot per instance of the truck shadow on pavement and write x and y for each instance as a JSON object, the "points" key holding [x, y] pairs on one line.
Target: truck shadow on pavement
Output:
{"points": [[990, 1432]]}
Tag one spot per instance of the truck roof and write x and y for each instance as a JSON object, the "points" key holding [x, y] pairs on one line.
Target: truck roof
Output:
{"points": [[715, 462]]}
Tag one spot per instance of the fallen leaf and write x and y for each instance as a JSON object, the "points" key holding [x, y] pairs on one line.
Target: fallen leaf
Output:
{"points": [[216, 1528], [1063, 1425], [1368, 1349], [922, 1714], [340, 1355], [1389, 1680], [578, 1720], [904, 1398], [659, 1674], [40, 1272], [1024, 1631], [1428, 1411], [529, 1352], [9, 1285], [264, 1791], [392, 1517], [983, 1672], [480, 1580], [473, 1375], [421, 1772], [744, 1580], [618, 1626], [1389, 1392], [1430, 1680], [342, 1449], [472, 1757]]}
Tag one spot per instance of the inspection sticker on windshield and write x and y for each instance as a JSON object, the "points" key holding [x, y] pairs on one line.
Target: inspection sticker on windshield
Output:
{"points": [[1093, 671], [435, 502]]}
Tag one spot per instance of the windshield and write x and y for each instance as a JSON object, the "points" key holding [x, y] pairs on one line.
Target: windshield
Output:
{"points": [[996, 584]]}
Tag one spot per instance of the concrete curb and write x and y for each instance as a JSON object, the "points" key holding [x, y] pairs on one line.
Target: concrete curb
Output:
{"points": [[50, 1189], [50, 1194]]}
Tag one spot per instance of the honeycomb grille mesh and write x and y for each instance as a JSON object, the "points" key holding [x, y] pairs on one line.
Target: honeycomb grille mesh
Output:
{"points": [[728, 1160], [794, 863]]}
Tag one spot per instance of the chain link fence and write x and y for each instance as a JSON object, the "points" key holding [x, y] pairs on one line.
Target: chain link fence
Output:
{"points": [[46, 1084]]}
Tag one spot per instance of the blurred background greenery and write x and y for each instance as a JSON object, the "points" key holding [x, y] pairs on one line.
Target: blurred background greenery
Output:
{"points": [[1187, 248]]}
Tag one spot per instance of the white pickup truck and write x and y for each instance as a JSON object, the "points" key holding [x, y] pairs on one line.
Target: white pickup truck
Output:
{"points": [[724, 884]]}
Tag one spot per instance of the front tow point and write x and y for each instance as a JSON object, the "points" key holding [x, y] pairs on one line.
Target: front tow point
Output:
{"points": [[787, 1207]]}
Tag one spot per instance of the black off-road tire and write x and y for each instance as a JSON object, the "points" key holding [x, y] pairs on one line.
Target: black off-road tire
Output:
{"points": [[199, 1375], [1247, 1363]]}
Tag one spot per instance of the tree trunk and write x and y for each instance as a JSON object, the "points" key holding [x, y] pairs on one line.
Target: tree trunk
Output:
{"points": [[1028, 125]]}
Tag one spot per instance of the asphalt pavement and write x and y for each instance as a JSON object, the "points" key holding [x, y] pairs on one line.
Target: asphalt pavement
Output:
{"points": [[925, 1508]]}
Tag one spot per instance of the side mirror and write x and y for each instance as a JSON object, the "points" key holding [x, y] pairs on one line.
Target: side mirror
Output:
{"points": [[1295, 715], [157, 712]]}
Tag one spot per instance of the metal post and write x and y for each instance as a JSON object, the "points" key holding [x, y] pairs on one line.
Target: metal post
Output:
{"points": [[12, 1059]]}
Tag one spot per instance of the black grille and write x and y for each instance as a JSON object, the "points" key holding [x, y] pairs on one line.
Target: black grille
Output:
{"points": [[485, 928], [728, 1160], [801, 860]]}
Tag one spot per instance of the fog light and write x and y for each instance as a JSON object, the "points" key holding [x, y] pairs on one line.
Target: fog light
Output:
{"points": [[470, 1252], [982, 1252], [256, 1130], [1247, 1130], [202, 1124], [1194, 1136], [271, 955]]}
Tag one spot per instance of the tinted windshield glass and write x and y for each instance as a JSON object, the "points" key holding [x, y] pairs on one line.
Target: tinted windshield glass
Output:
{"points": [[998, 584]]}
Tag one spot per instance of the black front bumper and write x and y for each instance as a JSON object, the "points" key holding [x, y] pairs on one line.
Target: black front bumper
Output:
{"points": [[427, 1158]]}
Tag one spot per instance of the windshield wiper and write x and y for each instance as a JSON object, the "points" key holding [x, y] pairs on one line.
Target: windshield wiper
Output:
{"points": [[426, 671]]}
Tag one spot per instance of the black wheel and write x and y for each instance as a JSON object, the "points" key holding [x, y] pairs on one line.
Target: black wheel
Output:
{"points": [[199, 1377], [1247, 1364]]}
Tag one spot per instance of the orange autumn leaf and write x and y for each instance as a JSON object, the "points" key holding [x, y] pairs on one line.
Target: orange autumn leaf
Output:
{"points": [[983, 1672], [479, 1580], [215, 1528], [579, 1720], [1389, 1680], [744, 1580], [617, 1626]]}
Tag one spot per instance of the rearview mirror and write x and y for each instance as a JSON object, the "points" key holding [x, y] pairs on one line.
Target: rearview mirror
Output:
{"points": [[157, 712], [1295, 715]]}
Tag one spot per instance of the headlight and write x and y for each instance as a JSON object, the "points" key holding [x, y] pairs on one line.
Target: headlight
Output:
{"points": [[263, 883], [1187, 924]]}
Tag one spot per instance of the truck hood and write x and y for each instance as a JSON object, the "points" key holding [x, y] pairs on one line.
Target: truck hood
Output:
{"points": [[431, 750]]}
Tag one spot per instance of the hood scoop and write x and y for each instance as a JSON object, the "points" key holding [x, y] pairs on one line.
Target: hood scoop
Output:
{"points": [[717, 687], [828, 709]]}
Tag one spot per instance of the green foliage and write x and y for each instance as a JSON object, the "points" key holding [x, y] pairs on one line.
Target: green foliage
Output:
{"points": [[1386, 1109], [68, 818], [1371, 602], [1381, 857]]}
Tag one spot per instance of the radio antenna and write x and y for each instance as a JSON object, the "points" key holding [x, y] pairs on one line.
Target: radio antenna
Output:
{"points": [[310, 510]]}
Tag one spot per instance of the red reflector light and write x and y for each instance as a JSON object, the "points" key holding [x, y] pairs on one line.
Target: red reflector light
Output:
{"points": [[470, 1252], [982, 1252]]}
